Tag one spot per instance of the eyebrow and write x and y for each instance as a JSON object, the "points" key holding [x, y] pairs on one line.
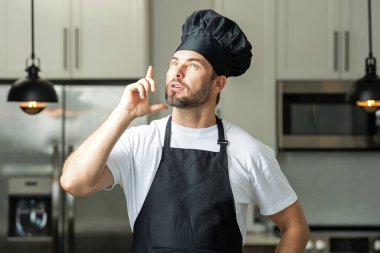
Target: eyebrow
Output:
{"points": [[189, 60]]}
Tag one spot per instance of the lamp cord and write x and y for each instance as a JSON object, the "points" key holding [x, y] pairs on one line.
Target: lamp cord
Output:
{"points": [[369, 27], [32, 16]]}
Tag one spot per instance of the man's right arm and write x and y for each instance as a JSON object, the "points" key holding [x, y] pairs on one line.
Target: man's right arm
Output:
{"points": [[85, 171]]}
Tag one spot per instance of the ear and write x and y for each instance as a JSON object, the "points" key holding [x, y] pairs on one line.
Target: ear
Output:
{"points": [[219, 83]]}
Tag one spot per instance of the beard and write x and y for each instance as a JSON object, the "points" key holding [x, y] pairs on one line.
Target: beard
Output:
{"points": [[192, 99]]}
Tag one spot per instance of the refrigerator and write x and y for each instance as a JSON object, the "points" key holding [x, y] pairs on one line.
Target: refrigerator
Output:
{"points": [[36, 215]]}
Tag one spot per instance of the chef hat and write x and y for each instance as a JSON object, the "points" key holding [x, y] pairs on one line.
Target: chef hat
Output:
{"points": [[218, 39]]}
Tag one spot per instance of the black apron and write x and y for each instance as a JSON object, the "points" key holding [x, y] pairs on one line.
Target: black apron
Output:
{"points": [[189, 206]]}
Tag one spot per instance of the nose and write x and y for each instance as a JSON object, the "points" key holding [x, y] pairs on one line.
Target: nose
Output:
{"points": [[180, 71]]}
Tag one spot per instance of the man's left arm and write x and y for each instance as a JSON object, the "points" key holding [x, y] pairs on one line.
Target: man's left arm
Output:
{"points": [[293, 227]]}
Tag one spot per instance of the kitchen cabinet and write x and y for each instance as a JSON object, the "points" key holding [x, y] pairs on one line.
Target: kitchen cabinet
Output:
{"points": [[76, 38], [325, 39]]}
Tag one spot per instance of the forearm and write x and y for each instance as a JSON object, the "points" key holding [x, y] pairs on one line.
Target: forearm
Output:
{"points": [[84, 169], [294, 229], [293, 240]]}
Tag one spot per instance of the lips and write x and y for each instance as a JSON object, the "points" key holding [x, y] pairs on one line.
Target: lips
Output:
{"points": [[176, 85]]}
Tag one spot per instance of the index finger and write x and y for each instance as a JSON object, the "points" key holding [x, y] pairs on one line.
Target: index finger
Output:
{"points": [[149, 73]]}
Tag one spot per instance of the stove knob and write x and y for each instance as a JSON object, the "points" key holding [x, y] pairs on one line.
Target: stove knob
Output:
{"points": [[309, 246], [320, 245], [376, 245]]}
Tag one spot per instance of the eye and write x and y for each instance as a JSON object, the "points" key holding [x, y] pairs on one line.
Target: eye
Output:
{"points": [[193, 66], [173, 63]]}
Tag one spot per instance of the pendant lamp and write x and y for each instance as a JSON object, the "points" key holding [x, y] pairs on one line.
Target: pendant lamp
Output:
{"points": [[32, 92], [365, 92]]}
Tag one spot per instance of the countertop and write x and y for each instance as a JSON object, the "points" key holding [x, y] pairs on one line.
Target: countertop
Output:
{"points": [[261, 239]]}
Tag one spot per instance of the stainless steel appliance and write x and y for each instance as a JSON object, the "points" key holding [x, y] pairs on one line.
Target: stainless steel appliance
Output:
{"points": [[36, 215], [328, 241], [315, 115], [29, 216]]}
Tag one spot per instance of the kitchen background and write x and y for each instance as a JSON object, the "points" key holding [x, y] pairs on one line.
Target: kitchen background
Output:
{"points": [[95, 43]]}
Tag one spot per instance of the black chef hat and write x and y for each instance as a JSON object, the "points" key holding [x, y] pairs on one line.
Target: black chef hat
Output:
{"points": [[218, 39]]}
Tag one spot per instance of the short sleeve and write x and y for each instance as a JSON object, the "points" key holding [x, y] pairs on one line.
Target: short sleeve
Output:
{"points": [[119, 160], [273, 192]]}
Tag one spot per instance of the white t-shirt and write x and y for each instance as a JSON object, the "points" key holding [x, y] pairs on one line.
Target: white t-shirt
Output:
{"points": [[254, 172]]}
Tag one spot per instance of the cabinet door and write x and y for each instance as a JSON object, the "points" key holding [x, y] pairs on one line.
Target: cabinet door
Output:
{"points": [[308, 39], [15, 37], [355, 37], [109, 38]]}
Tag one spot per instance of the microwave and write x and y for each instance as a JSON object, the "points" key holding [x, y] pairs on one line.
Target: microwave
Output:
{"points": [[316, 115]]}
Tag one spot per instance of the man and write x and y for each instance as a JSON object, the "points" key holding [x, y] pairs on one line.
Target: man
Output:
{"points": [[189, 177]]}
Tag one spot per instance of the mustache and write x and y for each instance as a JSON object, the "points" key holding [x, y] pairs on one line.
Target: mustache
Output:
{"points": [[176, 80]]}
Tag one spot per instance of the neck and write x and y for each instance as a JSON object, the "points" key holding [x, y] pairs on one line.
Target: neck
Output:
{"points": [[194, 117]]}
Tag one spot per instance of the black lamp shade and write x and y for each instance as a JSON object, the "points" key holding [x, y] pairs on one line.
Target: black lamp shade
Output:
{"points": [[364, 89], [365, 92], [32, 89], [32, 92]]}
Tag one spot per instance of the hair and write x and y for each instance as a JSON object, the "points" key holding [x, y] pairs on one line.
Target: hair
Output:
{"points": [[213, 76]]}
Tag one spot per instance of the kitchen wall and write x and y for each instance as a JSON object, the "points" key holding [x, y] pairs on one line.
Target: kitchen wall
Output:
{"points": [[335, 187]]}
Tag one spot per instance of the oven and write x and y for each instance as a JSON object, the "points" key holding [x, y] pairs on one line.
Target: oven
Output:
{"points": [[355, 240], [28, 208]]}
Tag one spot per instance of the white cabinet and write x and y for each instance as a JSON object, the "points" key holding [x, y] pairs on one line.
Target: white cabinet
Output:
{"points": [[76, 38], [324, 39]]}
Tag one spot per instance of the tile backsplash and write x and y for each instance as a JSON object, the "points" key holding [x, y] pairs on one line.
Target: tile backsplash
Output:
{"points": [[335, 188]]}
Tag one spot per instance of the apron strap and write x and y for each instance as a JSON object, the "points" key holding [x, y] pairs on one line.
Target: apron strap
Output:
{"points": [[221, 140], [168, 133]]}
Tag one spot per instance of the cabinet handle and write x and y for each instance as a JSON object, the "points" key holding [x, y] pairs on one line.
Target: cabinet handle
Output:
{"points": [[69, 221], [336, 37], [55, 158], [56, 196], [65, 48], [77, 48], [347, 50]]}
